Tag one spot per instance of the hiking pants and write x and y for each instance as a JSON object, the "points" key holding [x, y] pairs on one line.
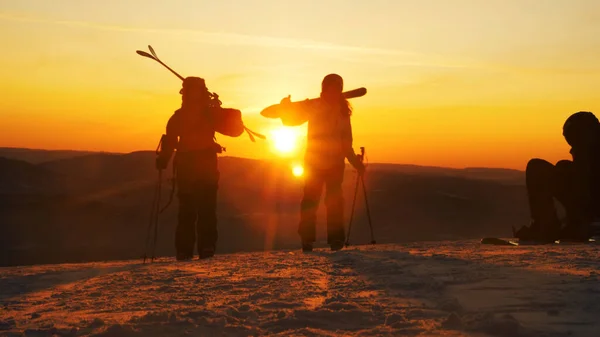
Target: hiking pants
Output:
{"points": [[197, 185], [315, 179], [545, 183], [197, 218]]}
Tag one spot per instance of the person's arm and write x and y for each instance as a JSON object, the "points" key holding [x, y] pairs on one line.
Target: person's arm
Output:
{"points": [[297, 113], [347, 148], [169, 143]]}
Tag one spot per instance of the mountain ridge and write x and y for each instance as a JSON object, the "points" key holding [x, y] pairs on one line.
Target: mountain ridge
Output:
{"points": [[96, 206]]}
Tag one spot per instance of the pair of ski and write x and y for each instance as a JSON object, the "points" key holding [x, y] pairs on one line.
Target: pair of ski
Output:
{"points": [[518, 242], [273, 111], [213, 95], [504, 242]]}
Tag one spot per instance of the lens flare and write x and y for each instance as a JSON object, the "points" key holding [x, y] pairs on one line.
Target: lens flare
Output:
{"points": [[297, 170]]}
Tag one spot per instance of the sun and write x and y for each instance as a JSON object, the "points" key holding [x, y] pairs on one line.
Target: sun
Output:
{"points": [[284, 140], [297, 170]]}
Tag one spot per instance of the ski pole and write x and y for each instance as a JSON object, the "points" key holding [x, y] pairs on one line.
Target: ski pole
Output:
{"points": [[352, 211], [362, 157], [157, 212], [154, 209], [368, 211], [155, 204]]}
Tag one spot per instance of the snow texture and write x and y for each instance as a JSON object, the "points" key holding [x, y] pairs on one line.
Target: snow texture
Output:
{"points": [[438, 288]]}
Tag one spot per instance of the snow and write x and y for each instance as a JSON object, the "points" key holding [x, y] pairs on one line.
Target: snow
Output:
{"points": [[430, 288]]}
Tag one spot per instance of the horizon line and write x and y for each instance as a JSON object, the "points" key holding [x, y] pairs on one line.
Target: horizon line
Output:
{"points": [[241, 157]]}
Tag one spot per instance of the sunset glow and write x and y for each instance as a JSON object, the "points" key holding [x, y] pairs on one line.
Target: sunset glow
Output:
{"points": [[471, 83], [284, 140]]}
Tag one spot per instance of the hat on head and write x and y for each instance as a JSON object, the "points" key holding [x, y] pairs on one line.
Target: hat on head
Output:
{"points": [[578, 125], [332, 80], [192, 84]]}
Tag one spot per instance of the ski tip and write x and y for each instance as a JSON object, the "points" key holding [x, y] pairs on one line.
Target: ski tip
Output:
{"points": [[152, 50], [143, 53]]}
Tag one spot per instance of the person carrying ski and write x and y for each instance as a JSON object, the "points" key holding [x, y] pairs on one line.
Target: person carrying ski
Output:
{"points": [[191, 132], [574, 183], [329, 143]]}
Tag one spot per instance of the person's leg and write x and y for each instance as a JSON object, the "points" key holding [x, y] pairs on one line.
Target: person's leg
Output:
{"points": [[313, 187], [567, 193], [334, 200], [540, 181], [206, 225], [185, 232]]}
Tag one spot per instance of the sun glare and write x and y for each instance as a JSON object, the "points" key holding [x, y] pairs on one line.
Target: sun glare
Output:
{"points": [[285, 140], [298, 170]]}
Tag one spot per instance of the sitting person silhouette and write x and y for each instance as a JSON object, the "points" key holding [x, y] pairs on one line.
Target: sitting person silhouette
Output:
{"points": [[574, 184]]}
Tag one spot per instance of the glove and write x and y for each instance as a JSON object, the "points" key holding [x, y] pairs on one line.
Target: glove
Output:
{"points": [[161, 162], [286, 100], [360, 168], [357, 163]]}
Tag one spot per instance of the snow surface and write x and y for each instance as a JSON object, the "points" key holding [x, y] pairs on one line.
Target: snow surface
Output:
{"points": [[436, 288]]}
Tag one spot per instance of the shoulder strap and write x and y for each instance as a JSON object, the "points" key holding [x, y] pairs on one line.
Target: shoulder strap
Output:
{"points": [[251, 134]]}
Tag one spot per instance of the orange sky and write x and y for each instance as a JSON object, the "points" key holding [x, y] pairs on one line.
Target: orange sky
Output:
{"points": [[457, 84]]}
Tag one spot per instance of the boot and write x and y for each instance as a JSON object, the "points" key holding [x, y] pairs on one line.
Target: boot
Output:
{"points": [[538, 233], [183, 257], [307, 247], [576, 232], [206, 253], [337, 245], [595, 228]]}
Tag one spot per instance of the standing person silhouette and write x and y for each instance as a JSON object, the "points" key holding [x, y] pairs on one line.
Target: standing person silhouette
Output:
{"points": [[329, 143], [191, 131]]}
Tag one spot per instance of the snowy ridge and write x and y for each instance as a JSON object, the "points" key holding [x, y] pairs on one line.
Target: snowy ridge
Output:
{"points": [[447, 288]]}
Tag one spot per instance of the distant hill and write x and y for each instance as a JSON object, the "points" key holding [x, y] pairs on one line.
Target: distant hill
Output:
{"points": [[18, 177], [499, 174], [98, 171], [96, 206], [36, 156]]}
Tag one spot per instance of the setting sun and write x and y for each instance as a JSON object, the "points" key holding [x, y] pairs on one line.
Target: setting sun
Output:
{"points": [[285, 140]]}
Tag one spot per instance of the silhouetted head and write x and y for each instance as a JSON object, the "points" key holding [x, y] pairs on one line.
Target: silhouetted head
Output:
{"points": [[194, 92], [581, 128], [332, 88]]}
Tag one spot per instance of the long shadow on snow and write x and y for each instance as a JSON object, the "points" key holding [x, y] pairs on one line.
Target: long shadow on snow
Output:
{"points": [[19, 285]]}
